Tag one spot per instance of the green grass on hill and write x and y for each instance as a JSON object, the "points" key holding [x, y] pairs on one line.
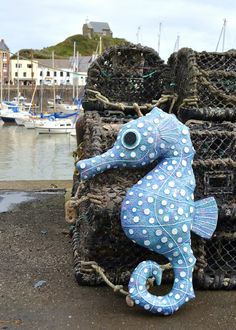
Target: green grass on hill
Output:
{"points": [[84, 45]]}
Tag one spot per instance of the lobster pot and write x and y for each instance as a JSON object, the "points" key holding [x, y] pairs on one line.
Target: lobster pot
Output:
{"points": [[215, 164], [216, 263], [97, 235], [215, 171], [205, 83], [125, 74]]}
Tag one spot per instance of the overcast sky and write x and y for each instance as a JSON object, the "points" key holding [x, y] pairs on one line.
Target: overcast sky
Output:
{"points": [[42, 23]]}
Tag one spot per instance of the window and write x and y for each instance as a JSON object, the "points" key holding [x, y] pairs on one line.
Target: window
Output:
{"points": [[68, 74], [29, 66], [61, 74], [4, 55], [48, 73], [55, 73], [24, 74], [32, 74], [41, 73], [16, 74], [4, 65], [68, 81], [55, 81], [18, 65]]}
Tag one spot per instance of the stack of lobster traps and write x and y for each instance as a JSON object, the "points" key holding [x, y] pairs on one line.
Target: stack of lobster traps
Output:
{"points": [[199, 88], [206, 87], [122, 83]]}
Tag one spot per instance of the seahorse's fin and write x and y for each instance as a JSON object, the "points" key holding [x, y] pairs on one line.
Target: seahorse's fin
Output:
{"points": [[167, 125], [169, 131], [205, 218]]}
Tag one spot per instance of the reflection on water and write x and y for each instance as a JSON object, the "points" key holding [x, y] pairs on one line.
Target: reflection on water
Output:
{"points": [[26, 155], [8, 199]]}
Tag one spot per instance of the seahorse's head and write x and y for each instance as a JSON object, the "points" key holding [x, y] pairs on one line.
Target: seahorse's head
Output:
{"points": [[140, 142]]}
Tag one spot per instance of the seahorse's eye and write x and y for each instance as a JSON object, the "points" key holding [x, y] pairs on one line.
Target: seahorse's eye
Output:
{"points": [[131, 139]]}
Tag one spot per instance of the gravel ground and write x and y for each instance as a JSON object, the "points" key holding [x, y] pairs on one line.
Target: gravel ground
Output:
{"points": [[35, 247]]}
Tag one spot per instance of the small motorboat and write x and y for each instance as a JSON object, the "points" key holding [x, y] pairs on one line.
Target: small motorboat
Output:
{"points": [[57, 126]]}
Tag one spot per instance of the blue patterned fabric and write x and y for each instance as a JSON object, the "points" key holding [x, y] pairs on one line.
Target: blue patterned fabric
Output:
{"points": [[159, 211]]}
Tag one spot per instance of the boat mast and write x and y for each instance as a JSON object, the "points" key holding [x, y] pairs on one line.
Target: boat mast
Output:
{"points": [[77, 76], [159, 39], [8, 85], [18, 80], [54, 88], [41, 95], [73, 93], [138, 34], [223, 41], [222, 34], [100, 45], [176, 46], [1, 67]]}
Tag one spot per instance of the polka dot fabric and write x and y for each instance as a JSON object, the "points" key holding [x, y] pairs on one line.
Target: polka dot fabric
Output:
{"points": [[159, 211]]}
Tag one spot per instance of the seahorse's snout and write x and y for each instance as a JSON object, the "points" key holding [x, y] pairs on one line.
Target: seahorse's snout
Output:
{"points": [[88, 168], [131, 149]]}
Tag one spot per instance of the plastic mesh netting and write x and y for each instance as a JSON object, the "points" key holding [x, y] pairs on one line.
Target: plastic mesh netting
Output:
{"points": [[205, 84], [126, 74]]}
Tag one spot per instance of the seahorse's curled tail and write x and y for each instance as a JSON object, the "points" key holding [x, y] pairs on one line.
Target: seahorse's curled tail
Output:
{"points": [[182, 290]]}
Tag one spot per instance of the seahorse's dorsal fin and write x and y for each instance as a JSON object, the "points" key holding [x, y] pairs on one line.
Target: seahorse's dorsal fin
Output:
{"points": [[168, 125]]}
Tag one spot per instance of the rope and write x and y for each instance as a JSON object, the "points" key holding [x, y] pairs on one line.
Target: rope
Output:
{"points": [[205, 70], [136, 107], [215, 162], [92, 266]]}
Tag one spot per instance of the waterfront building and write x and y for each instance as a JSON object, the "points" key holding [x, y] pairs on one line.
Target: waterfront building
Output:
{"points": [[69, 71], [65, 72], [4, 62], [24, 71], [60, 74]]}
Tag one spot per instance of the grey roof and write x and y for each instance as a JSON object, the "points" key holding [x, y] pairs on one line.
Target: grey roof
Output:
{"points": [[67, 63], [83, 63], [60, 64], [98, 26], [3, 46]]}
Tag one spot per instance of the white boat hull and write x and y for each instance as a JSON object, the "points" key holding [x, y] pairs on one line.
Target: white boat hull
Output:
{"points": [[50, 130], [57, 126], [20, 121]]}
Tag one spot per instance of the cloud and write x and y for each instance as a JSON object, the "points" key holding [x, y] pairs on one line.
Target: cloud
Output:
{"points": [[46, 22]]}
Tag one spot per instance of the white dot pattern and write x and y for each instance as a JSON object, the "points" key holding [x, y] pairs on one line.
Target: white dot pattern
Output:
{"points": [[157, 212]]}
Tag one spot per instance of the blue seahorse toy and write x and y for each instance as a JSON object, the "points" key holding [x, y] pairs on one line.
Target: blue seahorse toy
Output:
{"points": [[159, 211]]}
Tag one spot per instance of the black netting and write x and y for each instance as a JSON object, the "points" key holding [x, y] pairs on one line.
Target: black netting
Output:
{"points": [[217, 268], [204, 81], [214, 141], [127, 74], [215, 164], [220, 254]]}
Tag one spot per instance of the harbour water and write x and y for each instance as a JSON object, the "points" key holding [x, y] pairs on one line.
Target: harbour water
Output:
{"points": [[27, 155]]}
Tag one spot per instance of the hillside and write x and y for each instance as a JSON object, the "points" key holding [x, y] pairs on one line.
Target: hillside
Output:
{"points": [[85, 46]]}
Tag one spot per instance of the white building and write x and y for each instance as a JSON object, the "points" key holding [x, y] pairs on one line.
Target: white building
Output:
{"points": [[23, 70], [65, 71]]}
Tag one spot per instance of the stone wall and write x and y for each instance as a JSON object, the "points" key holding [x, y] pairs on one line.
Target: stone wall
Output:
{"points": [[66, 93]]}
